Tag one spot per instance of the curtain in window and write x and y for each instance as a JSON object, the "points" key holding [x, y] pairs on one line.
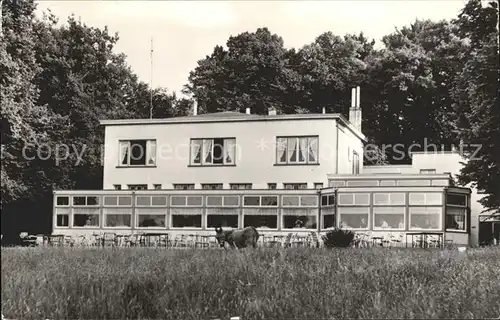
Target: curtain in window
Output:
{"points": [[196, 151], [281, 147], [151, 152], [313, 149], [302, 150], [229, 149], [207, 151], [124, 149], [292, 150]]}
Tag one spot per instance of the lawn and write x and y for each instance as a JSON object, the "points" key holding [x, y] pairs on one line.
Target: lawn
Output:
{"points": [[142, 283]]}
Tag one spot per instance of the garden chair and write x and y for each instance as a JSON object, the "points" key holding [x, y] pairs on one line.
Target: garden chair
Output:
{"points": [[287, 241], [386, 240], [314, 242], [397, 240], [202, 242], [109, 238], [163, 241]]}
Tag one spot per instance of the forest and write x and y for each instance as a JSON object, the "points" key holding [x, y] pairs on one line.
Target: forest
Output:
{"points": [[434, 81]]}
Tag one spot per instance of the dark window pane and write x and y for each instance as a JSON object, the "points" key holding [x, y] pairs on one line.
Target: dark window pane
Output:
{"points": [[79, 201], [138, 154], [151, 220], [62, 220], [261, 221], [456, 199], [222, 220], [269, 201], [329, 221], [251, 201], [307, 222], [186, 221], [62, 201]]}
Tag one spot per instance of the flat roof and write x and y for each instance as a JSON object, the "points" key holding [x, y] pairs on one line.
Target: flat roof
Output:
{"points": [[232, 116], [388, 176]]}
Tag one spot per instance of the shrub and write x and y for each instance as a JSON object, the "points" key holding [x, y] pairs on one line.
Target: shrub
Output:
{"points": [[338, 238]]}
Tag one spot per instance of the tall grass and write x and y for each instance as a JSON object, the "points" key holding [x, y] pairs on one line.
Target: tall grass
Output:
{"points": [[254, 284]]}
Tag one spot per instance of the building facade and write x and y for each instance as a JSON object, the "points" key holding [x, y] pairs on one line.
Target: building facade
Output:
{"points": [[279, 173]]}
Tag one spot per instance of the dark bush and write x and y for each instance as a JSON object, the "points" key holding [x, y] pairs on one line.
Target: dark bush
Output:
{"points": [[338, 238]]}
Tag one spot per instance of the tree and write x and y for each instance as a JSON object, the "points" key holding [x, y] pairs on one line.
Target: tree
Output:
{"points": [[409, 84], [477, 102], [24, 122], [252, 73]]}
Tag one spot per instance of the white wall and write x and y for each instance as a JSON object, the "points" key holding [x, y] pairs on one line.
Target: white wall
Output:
{"points": [[253, 164], [348, 142]]}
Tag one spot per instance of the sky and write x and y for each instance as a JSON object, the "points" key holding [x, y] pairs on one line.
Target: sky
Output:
{"points": [[185, 32]]}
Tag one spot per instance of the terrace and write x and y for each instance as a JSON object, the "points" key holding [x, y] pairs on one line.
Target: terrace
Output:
{"points": [[375, 213]]}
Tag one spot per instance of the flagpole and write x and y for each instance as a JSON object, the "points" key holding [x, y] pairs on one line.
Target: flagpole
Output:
{"points": [[151, 83]]}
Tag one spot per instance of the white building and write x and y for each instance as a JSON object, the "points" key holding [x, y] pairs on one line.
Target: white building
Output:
{"points": [[190, 174]]}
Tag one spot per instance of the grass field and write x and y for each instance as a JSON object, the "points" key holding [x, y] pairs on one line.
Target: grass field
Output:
{"points": [[260, 284]]}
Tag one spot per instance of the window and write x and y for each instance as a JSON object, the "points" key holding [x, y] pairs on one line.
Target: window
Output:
{"points": [[456, 212], [157, 186], [138, 153], [240, 186], [62, 217], [117, 186], [299, 201], [222, 217], [328, 214], [328, 200], [427, 171], [425, 218], [262, 218], [151, 221], [297, 150], [182, 201], [85, 201], [318, 185], [299, 218], [295, 186], [386, 218], [222, 201], [138, 187], [86, 217], [213, 151], [257, 201], [150, 217], [272, 186], [420, 198], [184, 186], [355, 163], [211, 186], [151, 201], [125, 201], [118, 220], [380, 199], [62, 201], [62, 220], [351, 199], [354, 217], [185, 218]]}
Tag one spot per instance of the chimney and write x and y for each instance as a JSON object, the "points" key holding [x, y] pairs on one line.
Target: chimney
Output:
{"points": [[323, 111], [248, 111], [355, 110], [195, 107], [271, 111]]}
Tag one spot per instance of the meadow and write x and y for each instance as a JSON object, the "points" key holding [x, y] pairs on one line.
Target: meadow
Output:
{"points": [[301, 283]]}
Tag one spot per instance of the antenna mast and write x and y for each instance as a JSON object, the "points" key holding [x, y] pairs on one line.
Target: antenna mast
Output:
{"points": [[151, 83]]}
